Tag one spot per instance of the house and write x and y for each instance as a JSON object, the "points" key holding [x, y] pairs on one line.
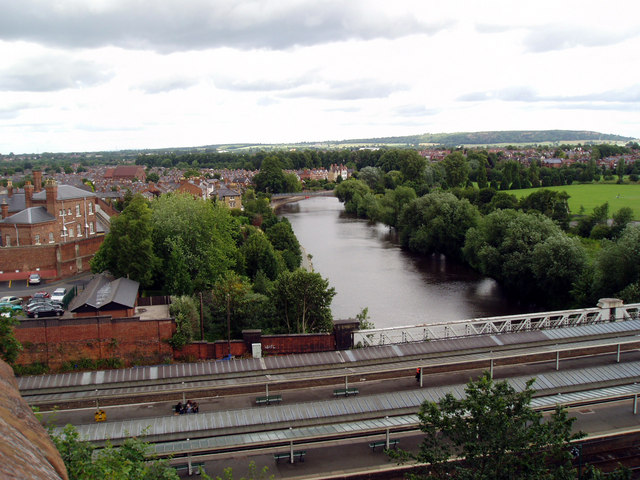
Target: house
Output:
{"points": [[55, 230], [230, 197], [106, 295], [126, 172]]}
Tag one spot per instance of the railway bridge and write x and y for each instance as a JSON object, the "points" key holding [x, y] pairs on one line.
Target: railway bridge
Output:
{"points": [[334, 406]]}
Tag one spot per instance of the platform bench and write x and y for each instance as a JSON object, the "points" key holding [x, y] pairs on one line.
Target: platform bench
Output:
{"points": [[268, 400], [195, 467], [383, 444], [297, 454], [345, 392]]}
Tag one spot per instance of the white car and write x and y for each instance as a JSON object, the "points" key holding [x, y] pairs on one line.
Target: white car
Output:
{"points": [[34, 279], [11, 299], [58, 294]]}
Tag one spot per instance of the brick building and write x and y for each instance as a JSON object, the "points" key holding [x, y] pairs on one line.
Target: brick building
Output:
{"points": [[39, 224]]}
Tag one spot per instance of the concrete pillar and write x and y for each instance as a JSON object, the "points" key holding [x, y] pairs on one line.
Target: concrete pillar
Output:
{"points": [[610, 304]]}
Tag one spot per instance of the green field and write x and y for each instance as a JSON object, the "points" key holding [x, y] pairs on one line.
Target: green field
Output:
{"points": [[593, 195]]}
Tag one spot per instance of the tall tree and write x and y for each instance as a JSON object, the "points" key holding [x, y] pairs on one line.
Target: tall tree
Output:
{"points": [[10, 347], [457, 169], [304, 301], [128, 249], [271, 178], [492, 433]]}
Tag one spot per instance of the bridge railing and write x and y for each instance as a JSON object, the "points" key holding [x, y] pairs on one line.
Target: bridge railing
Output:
{"points": [[494, 325]]}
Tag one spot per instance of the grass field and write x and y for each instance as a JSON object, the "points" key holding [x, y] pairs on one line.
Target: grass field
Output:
{"points": [[593, 195]]}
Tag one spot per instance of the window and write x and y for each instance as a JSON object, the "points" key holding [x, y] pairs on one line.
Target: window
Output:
{"points": [[91, 228], [79, 229], [63, 234], [90, 208], [51, 237], [37, 239], [77, 210], [72, 232], [8, 242], [68, 211], [61, 212]]}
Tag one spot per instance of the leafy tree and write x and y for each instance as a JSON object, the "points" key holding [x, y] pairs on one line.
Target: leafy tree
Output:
{"points": [[153, 177], [621, 219], [393, 202], [131, 461], [252, 474], [292, 183], [502, 246], [304, 301], [10, 347], [437, 223], [349, 188], [271, 178], [457, 169], [128, 249], [284, 240], [620, 168], [183, 308], [195, 239], [482, 173], [618, 266], [259, 254], [372, 176], [412, 164], [492, 433]]}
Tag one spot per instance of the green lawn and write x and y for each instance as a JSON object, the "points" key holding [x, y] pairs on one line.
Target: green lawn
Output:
{"points": [[593, 195]]}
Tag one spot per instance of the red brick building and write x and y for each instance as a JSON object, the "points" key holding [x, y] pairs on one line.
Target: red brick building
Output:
{"points": [[38, 224]]}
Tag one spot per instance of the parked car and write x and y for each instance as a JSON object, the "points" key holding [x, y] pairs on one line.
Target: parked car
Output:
{"points": [[41, 295], [34, 279], [45, 309], [11, 299], [39, 301], [58, 294], [6, 308]]}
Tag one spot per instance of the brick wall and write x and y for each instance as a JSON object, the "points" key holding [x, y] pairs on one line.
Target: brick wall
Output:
{"points": [[65, 259], [53, 341]]}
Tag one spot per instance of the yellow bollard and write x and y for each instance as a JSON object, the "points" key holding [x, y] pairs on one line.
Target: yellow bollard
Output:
{"points": [[100, 415]]}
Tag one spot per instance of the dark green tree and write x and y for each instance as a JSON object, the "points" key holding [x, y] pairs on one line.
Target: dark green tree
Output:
{"points": [[492, 433], [128, 249], [271, 178], [10, 347], [259, 255], [457, 169], [618, 266], [437, 223], [303, 299], [284, 240]]}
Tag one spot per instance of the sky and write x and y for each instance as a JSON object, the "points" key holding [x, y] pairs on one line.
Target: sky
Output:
{"points": [[80, 75]]}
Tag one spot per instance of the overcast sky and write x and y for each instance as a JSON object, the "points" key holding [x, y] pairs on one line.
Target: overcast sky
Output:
{"points": [[87, 75]]}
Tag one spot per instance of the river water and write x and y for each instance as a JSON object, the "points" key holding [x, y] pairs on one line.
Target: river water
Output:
{"points": [[366, 266]]}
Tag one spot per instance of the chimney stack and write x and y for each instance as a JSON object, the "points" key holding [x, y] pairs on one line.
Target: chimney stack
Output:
{"points": [[5, 208], [28, 194], [51, 189], [37, 180], [10, 188]]}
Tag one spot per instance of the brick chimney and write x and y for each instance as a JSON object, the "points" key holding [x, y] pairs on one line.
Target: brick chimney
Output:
{"points": [[51, 188], [10, 188], [37, 180], [5, 208], [28, 194]]}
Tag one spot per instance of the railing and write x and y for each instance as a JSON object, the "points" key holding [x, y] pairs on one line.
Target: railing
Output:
{"points": [[494, 325]]}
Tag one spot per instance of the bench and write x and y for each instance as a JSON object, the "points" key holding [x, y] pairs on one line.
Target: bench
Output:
{"points": [[268, 400], [298, 454], [383, 444], [345, 392], [195, 467]]}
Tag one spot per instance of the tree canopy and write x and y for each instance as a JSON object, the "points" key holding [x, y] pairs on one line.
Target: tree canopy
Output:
{"points": [[492, 433]]}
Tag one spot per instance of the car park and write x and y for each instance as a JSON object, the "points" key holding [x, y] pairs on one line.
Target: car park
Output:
{"points": [[11, 299], [39, 301], [45, 309], [34, 279], [58, 294]]}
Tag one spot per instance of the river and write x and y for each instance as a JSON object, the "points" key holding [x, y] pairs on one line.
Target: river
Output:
{"points": [[367, 267]]}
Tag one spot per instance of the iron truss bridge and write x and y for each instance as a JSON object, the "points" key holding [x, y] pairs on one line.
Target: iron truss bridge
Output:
{"points": [[608, 310]]}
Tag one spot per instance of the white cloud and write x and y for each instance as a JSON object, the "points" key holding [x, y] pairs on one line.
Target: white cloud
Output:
{"points": [[110, 74]]}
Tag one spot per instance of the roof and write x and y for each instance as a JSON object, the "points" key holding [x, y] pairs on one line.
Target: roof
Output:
{"points": [[65, 192], [30, 216], [103, 290], [16, 201], [226, 192]]}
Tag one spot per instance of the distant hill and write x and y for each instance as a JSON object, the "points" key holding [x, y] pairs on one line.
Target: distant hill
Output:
{"points": [[497, 138]]}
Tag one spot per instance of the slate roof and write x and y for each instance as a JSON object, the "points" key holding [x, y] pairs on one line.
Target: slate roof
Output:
{"points": [[16, 201], [65, 192], [30, 216], [104, 290], [226, 192]]}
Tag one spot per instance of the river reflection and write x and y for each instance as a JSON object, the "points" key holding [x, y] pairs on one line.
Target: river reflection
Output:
{"points": [[365, 265]]}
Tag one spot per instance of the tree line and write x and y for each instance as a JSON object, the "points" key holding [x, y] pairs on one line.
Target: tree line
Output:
{"points": [[245, 265], [530, 246]]}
